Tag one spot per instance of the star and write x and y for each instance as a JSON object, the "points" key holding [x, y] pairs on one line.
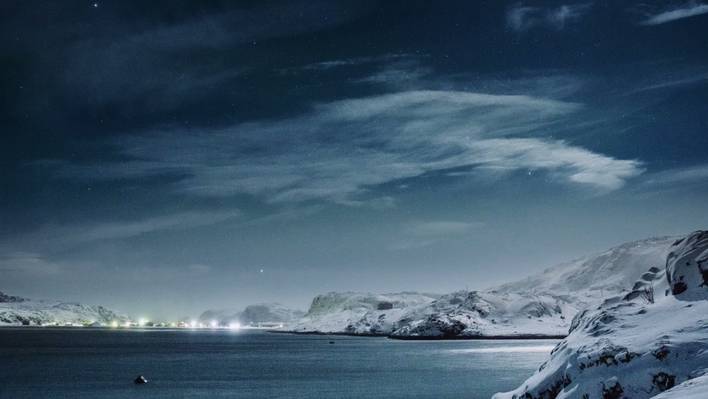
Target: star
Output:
{"points": [[261, 270]]}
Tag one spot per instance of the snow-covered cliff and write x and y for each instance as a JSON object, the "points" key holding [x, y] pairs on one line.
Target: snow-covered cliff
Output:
{"points": [[17, 311], [637, 344], [359, 313], [541, 305]]}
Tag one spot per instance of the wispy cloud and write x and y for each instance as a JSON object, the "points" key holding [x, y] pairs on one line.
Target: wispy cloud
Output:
{"points": [[199, 269], [51, 237], [440, 228], [340, 150], [698, 77], [677, 177], [521, 17], [354, 61], [104, 68], [690, 9], [26, 263], [419, 234]]}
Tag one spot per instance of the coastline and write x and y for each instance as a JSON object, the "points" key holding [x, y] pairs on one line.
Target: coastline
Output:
{"points": [[426, 338]]}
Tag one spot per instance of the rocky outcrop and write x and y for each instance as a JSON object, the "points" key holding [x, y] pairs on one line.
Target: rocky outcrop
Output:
{"points": [[687, 266]]}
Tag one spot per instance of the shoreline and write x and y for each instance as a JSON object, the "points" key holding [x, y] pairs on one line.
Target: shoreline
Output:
{"points": [[343, 334], [426, 338]]}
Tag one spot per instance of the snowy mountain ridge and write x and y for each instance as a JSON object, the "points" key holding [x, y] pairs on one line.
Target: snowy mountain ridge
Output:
{"points": [[540, 305], [17, 311]]}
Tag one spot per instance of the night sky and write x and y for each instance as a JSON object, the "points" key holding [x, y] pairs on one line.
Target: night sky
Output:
{"points": [[165, 157]]}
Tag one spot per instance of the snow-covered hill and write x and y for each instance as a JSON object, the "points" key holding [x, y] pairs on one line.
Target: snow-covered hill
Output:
{"points": [[253, 315], [638, 344], [540, 305], [359, 313], [17, 311]]}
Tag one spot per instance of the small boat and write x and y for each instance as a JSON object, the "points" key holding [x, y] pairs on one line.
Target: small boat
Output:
{"points": [[140, 380]]}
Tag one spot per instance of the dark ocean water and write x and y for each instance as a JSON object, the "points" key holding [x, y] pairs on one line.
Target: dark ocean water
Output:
{"points": [[101, 364]]}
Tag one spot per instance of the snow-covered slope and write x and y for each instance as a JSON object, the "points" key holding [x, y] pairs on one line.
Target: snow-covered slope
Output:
{"points": [[253, 315], [21, 311], [638, 344], [359, 313], [471, 314], [696, 388], [541, 305]]}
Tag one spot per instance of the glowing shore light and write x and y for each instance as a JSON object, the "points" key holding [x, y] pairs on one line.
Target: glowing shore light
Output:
{"points": [[114, 324], [214, 324], [126, 324], [142, 322], [234, 326], [193, 324]]}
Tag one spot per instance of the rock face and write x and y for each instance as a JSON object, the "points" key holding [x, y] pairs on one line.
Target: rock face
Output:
{"points": [[268, 313], [638, 344], [541, 305], [16, 311]]}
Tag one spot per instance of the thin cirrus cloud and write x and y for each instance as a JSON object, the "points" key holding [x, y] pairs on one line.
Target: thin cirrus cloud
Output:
{"points": [[690, 9], [340, 151], [104, 68], [54, 237], [420, 234], [28, 263], [521, 17], [440, 228], [679, 177]]}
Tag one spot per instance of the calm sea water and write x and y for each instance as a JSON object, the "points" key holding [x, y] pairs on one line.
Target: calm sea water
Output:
{"points": [[86, 363]]}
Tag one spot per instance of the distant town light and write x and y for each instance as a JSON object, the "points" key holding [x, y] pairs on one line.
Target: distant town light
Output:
{"points": [[234, 326]]}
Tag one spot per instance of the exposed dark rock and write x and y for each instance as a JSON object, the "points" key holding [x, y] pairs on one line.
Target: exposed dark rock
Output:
{"points": [[613, 392], [663, 381], [661, 353], [679, 287]]}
